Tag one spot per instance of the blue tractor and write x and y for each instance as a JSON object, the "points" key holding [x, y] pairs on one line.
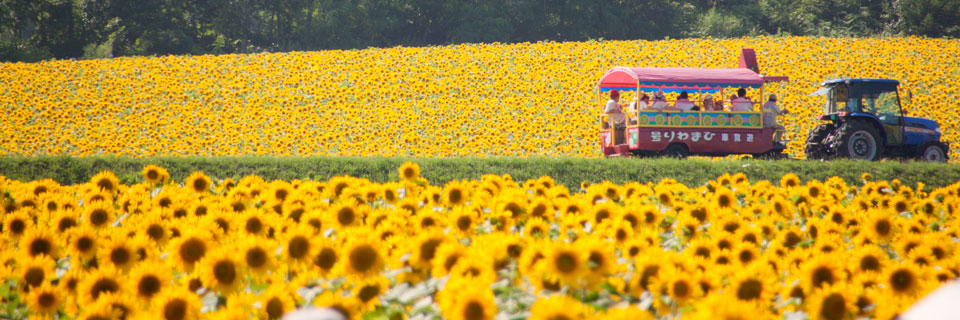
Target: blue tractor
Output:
{"points": [[865, 121]]}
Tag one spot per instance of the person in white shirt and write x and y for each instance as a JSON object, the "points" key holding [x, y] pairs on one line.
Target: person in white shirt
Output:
{"points": [[709, 105], [683, 102], [741, 102], [770, 112], [659, 102], [614, 109]]}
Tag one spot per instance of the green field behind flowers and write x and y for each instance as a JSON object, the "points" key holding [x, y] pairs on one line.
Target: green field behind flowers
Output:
{"points": [[567, 171]]}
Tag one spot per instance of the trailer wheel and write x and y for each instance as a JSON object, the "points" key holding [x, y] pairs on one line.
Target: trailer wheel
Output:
{"points": [[676, 150], [859, 140], [932, 153]]}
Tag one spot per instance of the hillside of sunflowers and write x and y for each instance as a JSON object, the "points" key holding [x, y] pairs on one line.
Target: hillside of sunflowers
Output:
{"points": [[445, 101], [475, 249]]}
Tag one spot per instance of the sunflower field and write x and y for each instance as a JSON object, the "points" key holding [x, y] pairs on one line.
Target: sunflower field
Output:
{"points": [[444, 101], [473, 249]]}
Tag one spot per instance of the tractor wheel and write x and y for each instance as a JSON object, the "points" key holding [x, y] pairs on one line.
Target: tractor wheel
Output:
{"points": [[859, 140], [932, 153], [676, 150], [814, 148]]}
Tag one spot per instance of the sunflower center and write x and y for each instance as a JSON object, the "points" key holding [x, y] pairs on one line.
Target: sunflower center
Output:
{"points": [[225, 272], [254, 225], [99, 217], [409, 173], [601, 215], [299, 246], [326, 259], [473, 311], [822, 275], [514, 250], [34, 276], [882, 227], [346, 216], [103, 285], [791, 239], [455, 196], [175, 309], [746, 256], [724, 201], [834, 307], [148, 286], [634, 251], [84, 244], [596, 260], [295, 214], [119, 256], [47, 300], [539, 210], [621, 235], [40, 246], [428, 249], [368, 292], [155, 232], [192, 250], [363, 258], [200, 185], [901, 280], [153, 175], [194, 285], [66, 223], [750, 290], [681, 289], [869, 263], [256, 257], [463, 223], [450, 261], [179, 213], [281, 194], [105, 184], [566, 262], [648, 273], [274, 308]]}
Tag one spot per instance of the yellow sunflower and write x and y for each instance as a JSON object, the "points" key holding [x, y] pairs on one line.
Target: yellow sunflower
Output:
{"points": [[198, 183], [409, 171], [45, 299], [36, 271], [176, 303], [154, 174]]}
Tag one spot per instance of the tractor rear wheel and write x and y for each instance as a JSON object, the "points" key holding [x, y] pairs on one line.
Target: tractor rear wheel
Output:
{"points": [[859, 140], [814, 148], [932, 153]]}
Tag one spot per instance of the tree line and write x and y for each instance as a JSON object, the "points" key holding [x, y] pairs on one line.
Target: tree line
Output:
{"points": [[32, 30]]}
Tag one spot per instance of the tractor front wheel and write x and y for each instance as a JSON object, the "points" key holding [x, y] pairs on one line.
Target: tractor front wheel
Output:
{"points": [[859, 140], [932, 153]]}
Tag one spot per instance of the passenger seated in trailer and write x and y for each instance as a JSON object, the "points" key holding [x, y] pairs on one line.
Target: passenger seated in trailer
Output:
{"points": [[614, 110], [642, 104], [709, 105], [683, 102], [741, 102], [659, 102]]}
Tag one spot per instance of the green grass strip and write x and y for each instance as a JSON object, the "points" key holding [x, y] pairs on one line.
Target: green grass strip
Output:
{"points": [[567, 171]]}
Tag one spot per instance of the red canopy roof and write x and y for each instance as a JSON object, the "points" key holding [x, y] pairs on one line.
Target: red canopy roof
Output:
{"points": [[697, 77]]}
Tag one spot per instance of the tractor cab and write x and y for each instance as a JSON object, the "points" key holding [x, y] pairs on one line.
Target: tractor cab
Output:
{"points": [[865, 121]]}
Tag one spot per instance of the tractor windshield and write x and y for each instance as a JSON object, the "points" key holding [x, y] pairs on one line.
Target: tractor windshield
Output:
{"points": [[836, 99]]}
